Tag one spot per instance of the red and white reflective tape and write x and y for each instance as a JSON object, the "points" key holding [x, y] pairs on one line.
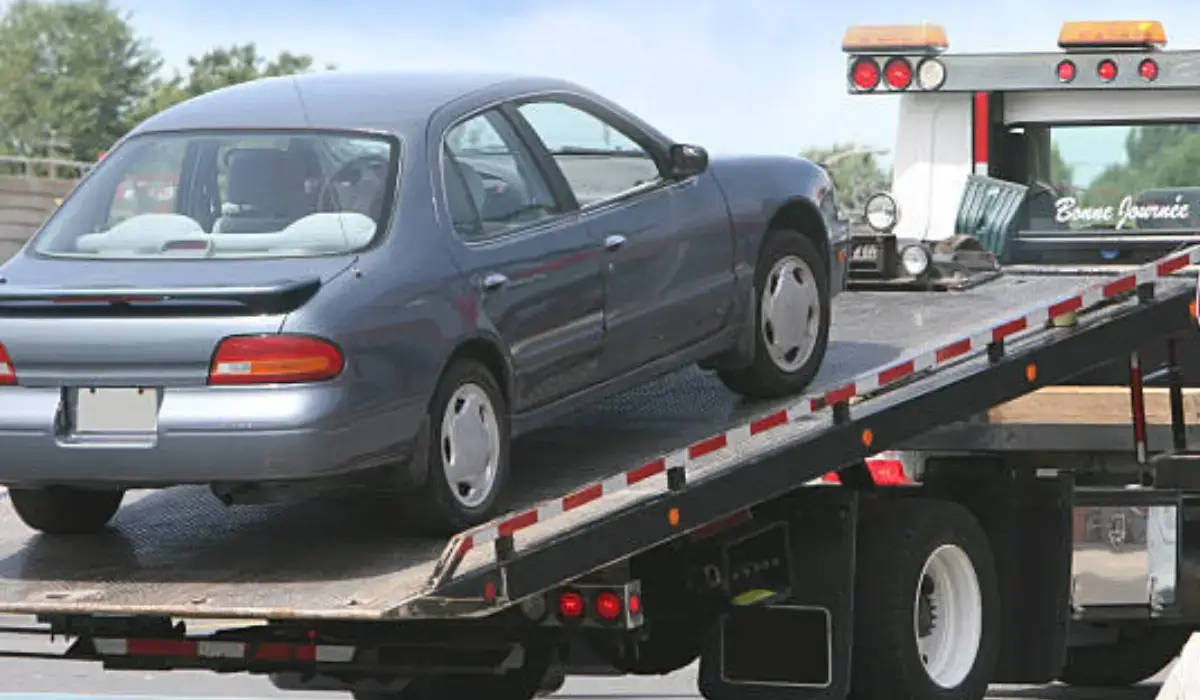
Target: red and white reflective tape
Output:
{"points": [[212, 649], [860, 387]]}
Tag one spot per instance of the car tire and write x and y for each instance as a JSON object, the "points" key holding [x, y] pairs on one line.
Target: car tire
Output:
{"points": [[60, 510], [785, 364], [923, 563], [439, 507]]}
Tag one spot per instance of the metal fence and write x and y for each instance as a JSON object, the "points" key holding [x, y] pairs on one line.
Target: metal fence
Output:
{"points": [[52, 168]]}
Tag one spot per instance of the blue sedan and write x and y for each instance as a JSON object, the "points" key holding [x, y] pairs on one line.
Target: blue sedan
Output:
{"points": [[306, 282]]}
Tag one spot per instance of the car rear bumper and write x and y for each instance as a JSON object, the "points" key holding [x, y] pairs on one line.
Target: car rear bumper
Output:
{"points": [[203, 435]]}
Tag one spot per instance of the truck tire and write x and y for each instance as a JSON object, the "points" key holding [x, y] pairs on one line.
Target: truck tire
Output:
{"points": [[926, 606], [60, 510], [1131, 659], [791, 334], [440, 507]]}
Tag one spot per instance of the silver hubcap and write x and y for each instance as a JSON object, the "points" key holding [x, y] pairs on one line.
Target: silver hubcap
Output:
{"points": [[791, 313], [470, 445], [948, 616]]}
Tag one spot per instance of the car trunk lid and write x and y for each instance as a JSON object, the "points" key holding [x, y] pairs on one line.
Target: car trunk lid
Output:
{"points": [[143, 324]]}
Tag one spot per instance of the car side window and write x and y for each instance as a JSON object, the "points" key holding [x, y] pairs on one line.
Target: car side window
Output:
{"points": [[597, 159], [492, 181]]}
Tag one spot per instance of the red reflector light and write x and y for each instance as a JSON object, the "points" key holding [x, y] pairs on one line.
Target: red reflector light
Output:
{"points": [[865, 74], [609, 606], [1148, 69], [635, 603], [570, 605], [8, 373], [274, 359], [1107, 70], [1066, 71], [898, 73]]}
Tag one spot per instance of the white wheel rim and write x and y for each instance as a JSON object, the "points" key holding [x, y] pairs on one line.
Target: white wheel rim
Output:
{"points": [[791, 313], [948, 616], [470, 445]]}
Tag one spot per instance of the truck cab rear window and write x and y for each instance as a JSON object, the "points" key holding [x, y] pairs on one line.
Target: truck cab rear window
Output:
{"points": [[1123, 192]]}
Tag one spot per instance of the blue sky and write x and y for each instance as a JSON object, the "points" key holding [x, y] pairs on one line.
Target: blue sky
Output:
{"points": [[733, 75]]}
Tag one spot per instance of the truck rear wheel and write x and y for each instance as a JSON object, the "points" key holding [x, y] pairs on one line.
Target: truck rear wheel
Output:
{"points": [[59, 510], [1133, 658], [926, 603]]}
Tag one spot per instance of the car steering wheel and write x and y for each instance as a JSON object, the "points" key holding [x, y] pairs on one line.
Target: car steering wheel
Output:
{"points": [[358, 186]]}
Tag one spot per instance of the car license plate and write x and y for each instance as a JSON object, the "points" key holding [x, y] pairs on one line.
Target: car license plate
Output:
{"points": [[868, 252], [116, 410]]}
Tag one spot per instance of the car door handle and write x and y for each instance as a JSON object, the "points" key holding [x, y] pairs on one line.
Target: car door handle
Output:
{"points": [[493, 281], [614, 241]]}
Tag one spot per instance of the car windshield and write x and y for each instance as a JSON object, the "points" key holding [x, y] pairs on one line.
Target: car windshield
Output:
{"points": [[227, 195]]}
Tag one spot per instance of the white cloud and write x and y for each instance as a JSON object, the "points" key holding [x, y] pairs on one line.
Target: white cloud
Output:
{"points": [[755, 75]]}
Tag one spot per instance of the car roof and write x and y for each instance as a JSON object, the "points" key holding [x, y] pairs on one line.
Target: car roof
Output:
{"points": [[396, 103]]}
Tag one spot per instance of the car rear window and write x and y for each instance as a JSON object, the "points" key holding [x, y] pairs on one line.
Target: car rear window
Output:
{"points": [[229, 195]]}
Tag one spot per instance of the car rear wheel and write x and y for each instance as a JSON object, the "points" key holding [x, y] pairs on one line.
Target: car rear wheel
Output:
{"points": [[792, 318], [468, 452], [60, 510]]}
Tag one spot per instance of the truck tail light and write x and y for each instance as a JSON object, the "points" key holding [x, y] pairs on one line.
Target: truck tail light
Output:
{"points": [[1066, 70], [609, 606], [865, 74], [275, 359], [8, 373], [899, 73], [571, 605], [1148, 69]]}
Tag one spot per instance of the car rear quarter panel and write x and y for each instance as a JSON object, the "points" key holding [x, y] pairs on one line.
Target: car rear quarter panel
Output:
{"points": [[398, 313], [758, 187]]}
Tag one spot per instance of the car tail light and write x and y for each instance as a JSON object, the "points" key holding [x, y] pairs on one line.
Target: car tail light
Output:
{"points": [[571, 605], [898, 73], [865, 74], [609, 606], [1107, 70], [1148, 69], [275, 359], [8, 373], [1066, 71]]}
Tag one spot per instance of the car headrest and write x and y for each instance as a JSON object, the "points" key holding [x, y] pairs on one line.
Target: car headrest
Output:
{"points": [[268, 180]]}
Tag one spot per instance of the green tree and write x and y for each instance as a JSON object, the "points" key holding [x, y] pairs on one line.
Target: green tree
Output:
{"points": [[855, 171], [1061, 172], [218, 68], [71, 72]]}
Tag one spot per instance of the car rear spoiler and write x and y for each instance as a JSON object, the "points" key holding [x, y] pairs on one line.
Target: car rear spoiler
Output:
{"points": [[270, 297]]}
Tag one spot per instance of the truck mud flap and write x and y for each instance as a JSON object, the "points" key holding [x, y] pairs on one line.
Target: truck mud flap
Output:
{"points": [[798, 646]]}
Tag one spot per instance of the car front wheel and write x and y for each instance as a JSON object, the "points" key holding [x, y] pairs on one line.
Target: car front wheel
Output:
{"points": [[792, 318], [59, 510], [468, 452]]}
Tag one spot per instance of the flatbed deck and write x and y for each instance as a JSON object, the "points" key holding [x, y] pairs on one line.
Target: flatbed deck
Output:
{"points": [[181, 553]]}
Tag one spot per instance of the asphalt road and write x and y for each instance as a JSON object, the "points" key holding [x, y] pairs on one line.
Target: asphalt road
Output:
{"points": [[51, 680]]}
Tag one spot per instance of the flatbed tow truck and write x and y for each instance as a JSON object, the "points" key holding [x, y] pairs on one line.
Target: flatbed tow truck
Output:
{"points": [[674, 523]]}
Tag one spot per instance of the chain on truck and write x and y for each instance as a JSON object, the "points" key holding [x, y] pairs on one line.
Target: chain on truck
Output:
{"points": [[1022, 336]]}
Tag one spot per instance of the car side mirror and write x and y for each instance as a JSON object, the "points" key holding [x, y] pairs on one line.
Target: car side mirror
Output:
{"points": [[686, 160]]}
